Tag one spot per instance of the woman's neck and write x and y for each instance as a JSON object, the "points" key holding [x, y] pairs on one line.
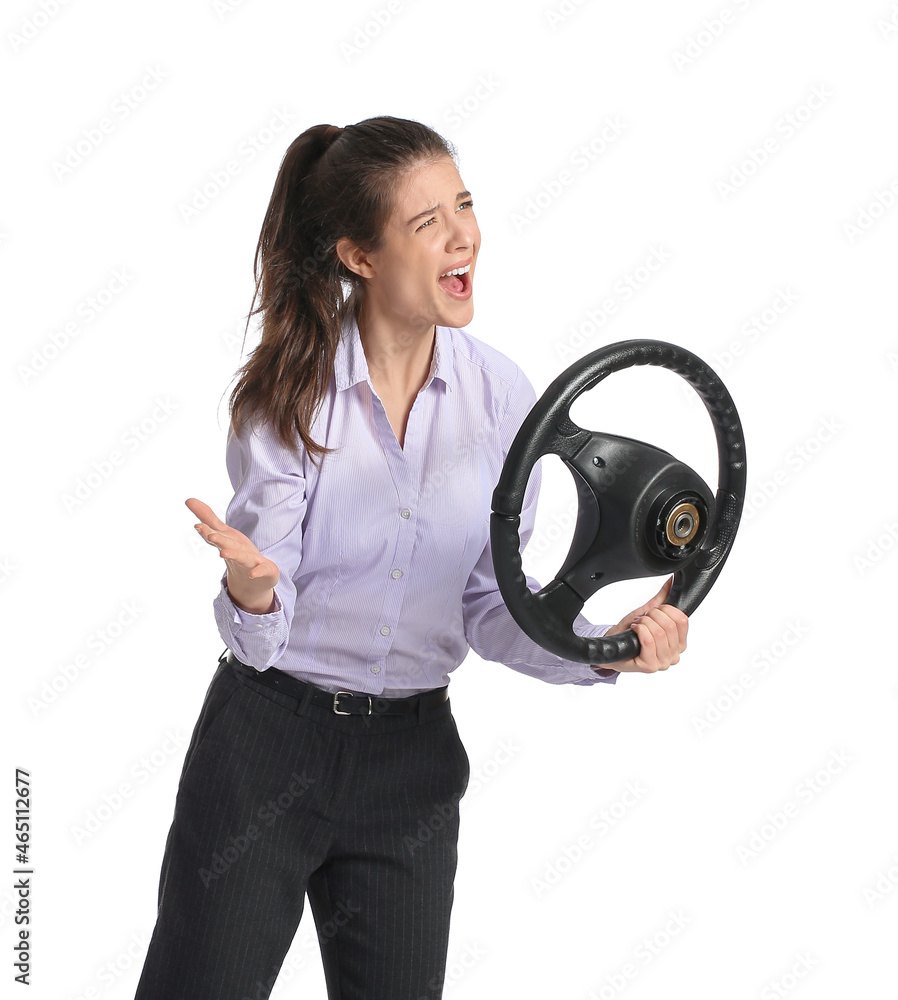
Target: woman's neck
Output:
{"points": [[399, 361]]}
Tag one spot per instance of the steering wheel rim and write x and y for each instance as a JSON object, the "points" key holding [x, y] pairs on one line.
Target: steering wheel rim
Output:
{"points": [[547, 429]]}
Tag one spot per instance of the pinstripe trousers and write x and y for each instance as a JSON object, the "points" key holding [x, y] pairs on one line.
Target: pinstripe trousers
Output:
{"points": [[277, 801]]}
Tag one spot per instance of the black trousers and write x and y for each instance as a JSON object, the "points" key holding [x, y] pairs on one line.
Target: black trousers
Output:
{"points": [[276, 801]]}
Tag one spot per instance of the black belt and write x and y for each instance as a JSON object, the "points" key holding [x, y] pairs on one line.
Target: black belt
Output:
{"points": [[341, 702]]}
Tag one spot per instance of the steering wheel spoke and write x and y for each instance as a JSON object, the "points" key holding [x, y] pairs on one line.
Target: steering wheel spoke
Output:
{"points": [[558, 602]]}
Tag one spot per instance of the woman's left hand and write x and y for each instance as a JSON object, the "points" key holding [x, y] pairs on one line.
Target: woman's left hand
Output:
{"points": [[661, 629]]}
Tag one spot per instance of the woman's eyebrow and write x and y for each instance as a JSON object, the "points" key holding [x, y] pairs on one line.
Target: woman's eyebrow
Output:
{"points": [[427, 211]]}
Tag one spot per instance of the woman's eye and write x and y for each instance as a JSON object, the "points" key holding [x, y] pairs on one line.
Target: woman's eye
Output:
{"points": [[462, 205]]}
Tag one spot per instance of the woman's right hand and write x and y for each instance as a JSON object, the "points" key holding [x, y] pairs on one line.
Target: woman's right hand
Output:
{"points": [[662, 634], [251, 577]]}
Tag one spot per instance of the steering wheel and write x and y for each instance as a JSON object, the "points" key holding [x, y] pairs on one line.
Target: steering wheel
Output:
{"points": [[640, 511]]}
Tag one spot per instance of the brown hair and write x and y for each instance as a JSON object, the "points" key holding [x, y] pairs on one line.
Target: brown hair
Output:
{"points": [[332, 183]]}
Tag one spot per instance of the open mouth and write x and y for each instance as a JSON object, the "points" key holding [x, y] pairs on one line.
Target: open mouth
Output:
{"points": [[457, 285]]}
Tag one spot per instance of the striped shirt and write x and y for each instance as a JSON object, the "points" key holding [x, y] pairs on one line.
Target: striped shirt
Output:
{"points": [[386, 571]]}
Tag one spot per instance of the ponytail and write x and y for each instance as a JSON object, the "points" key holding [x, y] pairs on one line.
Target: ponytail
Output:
{"points": [[332, 182]]}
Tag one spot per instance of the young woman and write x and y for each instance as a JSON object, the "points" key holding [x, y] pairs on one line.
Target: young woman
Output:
{"points": [[368, 430]]}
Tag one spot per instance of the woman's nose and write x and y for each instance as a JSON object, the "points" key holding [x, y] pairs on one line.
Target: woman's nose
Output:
{"points": [[464, 232]]}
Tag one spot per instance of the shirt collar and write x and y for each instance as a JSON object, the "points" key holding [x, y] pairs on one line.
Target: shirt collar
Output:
{"points": [[351, 365]]}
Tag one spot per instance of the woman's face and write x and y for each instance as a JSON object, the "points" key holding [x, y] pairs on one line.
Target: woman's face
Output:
{"points": [[432, 229]]}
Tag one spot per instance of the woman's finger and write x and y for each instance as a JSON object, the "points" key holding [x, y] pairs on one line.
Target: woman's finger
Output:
{"points": [[646, 639], [661, 596], [213, 536], [681, 620], [657, 654], [205, 513], [669, 626]]}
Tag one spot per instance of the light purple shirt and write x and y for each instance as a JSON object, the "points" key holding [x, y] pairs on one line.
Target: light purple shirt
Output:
{"points": [[386, 566]]}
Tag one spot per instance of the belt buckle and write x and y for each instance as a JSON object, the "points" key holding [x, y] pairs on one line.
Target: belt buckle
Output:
{"points": [[337, 710]]}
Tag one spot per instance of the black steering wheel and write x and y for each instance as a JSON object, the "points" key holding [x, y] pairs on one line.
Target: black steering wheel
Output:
{"points": [[640, 511]]}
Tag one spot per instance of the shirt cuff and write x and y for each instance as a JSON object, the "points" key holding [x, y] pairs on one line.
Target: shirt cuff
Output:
{"points": [[588, 674], [245, 618]]}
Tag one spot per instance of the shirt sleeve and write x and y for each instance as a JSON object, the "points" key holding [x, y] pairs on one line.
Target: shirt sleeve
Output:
{"points": [[268, 506], [489, 627]]}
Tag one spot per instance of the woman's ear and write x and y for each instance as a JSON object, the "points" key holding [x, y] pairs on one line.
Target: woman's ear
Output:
{"points": [[353, 257]]}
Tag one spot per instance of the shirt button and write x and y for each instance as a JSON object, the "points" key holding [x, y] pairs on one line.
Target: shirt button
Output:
{"points": [[396, 574], [375, 669], [406, 513], [385, 630]]}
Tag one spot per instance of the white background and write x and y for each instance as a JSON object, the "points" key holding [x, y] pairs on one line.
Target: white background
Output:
{"points": [[756, 851]]}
